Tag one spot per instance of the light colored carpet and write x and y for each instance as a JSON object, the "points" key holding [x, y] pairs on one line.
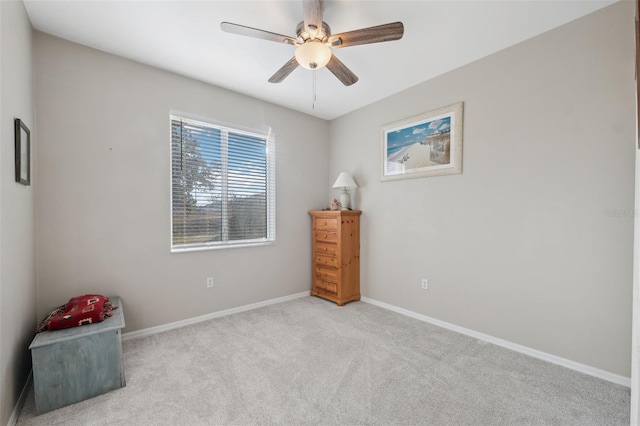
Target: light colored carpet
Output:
{"points": [[309, 361]]}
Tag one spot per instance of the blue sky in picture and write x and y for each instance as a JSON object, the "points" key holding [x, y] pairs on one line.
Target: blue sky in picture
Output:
{"points": [[405, 136]]}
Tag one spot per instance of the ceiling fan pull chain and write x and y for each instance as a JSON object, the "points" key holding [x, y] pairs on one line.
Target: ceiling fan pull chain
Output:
{"points": [[313, 104]]}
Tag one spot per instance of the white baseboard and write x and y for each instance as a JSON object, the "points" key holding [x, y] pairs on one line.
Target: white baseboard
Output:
{"points": [[582, 368], [21, 400], [183, 323]]}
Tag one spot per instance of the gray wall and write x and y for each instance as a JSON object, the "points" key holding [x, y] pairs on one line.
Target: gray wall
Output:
{"points": [[520, 246], [17, 226], [103, 198]]}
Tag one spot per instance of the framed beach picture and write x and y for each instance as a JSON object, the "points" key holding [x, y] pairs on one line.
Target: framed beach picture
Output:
{"points": [[429, 144]]}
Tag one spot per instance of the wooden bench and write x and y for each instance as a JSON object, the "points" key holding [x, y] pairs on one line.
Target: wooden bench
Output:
{"points": [[78, 363]]}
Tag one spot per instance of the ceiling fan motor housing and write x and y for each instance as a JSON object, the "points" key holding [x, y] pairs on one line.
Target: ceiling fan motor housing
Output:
{"points": [[321, 35]]}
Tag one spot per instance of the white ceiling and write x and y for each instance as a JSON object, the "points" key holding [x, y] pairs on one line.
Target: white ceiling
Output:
{"points": [[185, 37]]}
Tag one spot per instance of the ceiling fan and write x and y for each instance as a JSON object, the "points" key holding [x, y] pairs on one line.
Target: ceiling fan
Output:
{"points": [[314, 42]]}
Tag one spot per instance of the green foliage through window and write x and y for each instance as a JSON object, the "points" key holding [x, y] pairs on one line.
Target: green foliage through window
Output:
{"points": [[222, 186]]}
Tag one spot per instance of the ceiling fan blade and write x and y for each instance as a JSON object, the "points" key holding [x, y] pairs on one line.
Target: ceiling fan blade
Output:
{"points": [[313, 15], [341, 71], [283, 72], [254, 32], [377, 34]]}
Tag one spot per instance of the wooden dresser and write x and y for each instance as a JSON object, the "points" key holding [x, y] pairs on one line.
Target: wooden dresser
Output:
{"points": [[336, 255]]}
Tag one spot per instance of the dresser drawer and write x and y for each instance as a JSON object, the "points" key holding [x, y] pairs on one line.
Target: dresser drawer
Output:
{"points": [[325, 223], [326, 287], [328, 249], [327, 274], [326, 261], [326, 236]]}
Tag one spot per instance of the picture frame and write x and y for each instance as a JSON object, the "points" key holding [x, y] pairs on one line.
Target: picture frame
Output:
{"points": [[23, 152], [428, 144]]}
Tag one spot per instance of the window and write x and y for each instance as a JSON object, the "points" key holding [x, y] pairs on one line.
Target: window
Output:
{"points": [[222, 186]]}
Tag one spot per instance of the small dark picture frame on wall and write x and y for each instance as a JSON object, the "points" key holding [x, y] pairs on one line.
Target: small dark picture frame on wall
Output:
{"points": [[23, 153]]}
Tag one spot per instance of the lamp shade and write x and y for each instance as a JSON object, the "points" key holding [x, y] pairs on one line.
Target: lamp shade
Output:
{"points": [[345, 181], [313, 55]]}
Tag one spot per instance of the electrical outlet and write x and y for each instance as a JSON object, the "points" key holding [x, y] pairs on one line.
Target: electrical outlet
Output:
{"points": [[209, 282], [425, 284]]}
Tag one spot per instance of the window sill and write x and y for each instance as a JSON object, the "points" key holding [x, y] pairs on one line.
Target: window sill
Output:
{"points": [[222, 246]]}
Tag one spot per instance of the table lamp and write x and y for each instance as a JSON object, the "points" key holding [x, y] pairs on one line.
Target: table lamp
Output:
{"points": [[344, 181]]}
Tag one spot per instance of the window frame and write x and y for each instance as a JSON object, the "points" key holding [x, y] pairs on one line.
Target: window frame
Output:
{"points": [[270, 199]]}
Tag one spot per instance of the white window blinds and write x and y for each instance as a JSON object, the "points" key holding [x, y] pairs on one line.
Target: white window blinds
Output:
{"points": [[222, 186]]}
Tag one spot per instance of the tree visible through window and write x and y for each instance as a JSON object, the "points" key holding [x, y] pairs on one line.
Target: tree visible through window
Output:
{"points": [[222, 186]]}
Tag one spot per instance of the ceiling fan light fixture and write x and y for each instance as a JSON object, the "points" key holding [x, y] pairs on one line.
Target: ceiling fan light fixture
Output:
{"points": [[313, 55]]}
